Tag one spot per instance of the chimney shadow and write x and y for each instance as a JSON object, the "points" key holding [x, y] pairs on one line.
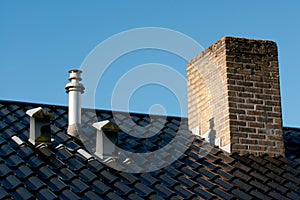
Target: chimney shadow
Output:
{"points": [[212, 132]]}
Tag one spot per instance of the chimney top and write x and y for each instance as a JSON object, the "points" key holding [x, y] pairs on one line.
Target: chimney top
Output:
{"points": [[75, 74], [236, 82]]}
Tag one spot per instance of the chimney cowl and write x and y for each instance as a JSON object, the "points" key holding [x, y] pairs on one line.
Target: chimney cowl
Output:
{"points": [[74, 89]]}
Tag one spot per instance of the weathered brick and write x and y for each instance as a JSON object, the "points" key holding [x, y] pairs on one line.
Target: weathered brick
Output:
{"points": [[233, 87], [248, 141], [257, 136], [257, 148]]}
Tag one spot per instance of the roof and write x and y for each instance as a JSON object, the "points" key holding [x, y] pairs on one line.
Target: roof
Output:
{"points": [[65, 170]]}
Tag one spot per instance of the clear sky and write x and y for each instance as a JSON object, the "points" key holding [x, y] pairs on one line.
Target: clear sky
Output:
{"points": [[41, 40]]}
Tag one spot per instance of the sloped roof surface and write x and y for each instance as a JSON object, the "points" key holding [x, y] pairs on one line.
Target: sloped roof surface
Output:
{"points": [[65, 171]]}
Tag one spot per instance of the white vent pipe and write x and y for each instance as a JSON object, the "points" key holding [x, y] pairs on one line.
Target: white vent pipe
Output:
{"points": [[74, 89]]}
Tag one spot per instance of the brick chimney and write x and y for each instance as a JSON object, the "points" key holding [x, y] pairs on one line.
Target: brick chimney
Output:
{"points": [[234, 96]]}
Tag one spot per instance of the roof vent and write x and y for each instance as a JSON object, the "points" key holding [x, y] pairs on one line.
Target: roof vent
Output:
{"points": [[40, 131], [107, 137], [74, 89]]}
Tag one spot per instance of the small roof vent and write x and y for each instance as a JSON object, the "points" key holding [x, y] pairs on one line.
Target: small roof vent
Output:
{"points": [[40, 131], [107, 137]]}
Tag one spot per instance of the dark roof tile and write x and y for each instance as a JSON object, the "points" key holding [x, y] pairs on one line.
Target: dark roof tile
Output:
{"points": [[13, 107], [90, 195], [242, 167], [186, 182], [225, 175], [293, 195], [18, 127], [168, 181], [4, 112], [62, 138], [173, 172], [8, 133], [78, 186], [148, 179], [259, 176], [163, 191], [56, 164], [6, 150], [225, 158], [203, 171], [68, 194], [274, 161], [100, 187], [264, 188], [66, 174], [292, 178], [72, 145], [122, 189], [45, 173], [75, 165], [2, 141], [242, 185], [292, 186], [14, 161], [203, 193], [109, 177], [54, 129], [11, 182], [207, 173], [205, 183], [155, 197], [23, 172], [277, 186], [34, 183], [224, 184], [184, 193], [143, 190], [22, 193], [242, 159], [95, 166], [223, 194], [114, 196], [275, 169], [277, 195], [241, 195], [226, 167], [87, 176], [189, 172], [34, 162], [45, 194], [259, 195], [3, 125], [9, 119], [128, 178], [4, 170], [56, 185], [4, 194], [63, 154], [275, 177], [258, 167], [25, 152], [242, 175]]}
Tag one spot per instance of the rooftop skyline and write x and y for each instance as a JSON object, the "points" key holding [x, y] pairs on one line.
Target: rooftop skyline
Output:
{"points": [[40, 42]]}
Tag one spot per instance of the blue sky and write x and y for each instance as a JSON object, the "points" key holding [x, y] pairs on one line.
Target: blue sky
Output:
{"points": [[41, 40]]}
